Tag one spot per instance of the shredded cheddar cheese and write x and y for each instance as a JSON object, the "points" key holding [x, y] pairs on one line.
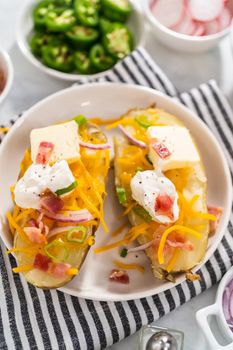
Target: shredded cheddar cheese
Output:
{"points": [[167, 232], [72, 271], [16, 227], [119, 229], [4, 130], [99, 121], [173, 260], [111, 246], [129, 266], [24, 268]]}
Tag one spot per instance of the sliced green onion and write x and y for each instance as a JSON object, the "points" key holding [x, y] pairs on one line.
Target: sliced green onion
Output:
{"points": [[121, 195], [53, 245], [80, 119], [143, 121], [124, 252], [70, 238], [148, 159], [140, 211], [67, 189]]}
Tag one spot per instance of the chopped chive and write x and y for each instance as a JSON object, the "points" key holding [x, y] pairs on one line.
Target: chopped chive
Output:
{"points": [[140, 211], [80, 119], [67, 189], [143, 121], [124, 252], [121, 195]]}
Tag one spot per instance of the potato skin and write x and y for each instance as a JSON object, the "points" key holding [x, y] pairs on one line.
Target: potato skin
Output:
{"points": [[195, 184], [42, 279]]}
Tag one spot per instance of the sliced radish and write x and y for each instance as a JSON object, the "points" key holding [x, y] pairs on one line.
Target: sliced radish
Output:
{"points": [[205, 10], [212, 27], [199, 29], [168, 12], [186, 26], [224, 19]]}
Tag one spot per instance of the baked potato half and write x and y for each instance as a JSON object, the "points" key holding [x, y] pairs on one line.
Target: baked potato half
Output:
{"points": [[175, 245], [52, 239]]}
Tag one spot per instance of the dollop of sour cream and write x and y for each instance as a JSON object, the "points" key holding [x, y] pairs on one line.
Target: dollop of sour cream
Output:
{"points": [[146, 187], [37, 179]]}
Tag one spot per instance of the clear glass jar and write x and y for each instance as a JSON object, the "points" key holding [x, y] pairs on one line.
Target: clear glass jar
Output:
{"points": [[147, 331]]}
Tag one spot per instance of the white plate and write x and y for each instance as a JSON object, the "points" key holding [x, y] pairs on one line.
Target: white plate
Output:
{"points": [[109, 101], [25, 28]]}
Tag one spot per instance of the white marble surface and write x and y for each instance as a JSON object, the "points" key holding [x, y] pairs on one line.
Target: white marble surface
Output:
{"points": [[185, 70]]}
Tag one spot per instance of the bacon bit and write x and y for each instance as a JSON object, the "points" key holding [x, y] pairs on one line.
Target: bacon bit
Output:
{"points": [[119, 276], [187, 245], [162, 151], [34, 234], [32, 223], [216, 211], [59, 270], [44, 152], [163, 202], [190, 276], [163, 205], [52, 203], [42, 262]]}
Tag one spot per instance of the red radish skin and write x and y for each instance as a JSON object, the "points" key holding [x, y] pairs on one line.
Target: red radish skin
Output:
{"points": [[193, 17], [224, 19], [168, 18], [212, 27], [186, 26], [199, 30], [205, 10]]}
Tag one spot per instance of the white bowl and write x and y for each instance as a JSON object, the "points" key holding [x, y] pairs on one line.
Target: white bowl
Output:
{"points": [[181, 42], [96, 100], [7, 68], [217, 310], [25, 28]]}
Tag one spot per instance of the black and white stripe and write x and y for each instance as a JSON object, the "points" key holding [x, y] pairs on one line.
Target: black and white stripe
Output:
{"points": [[36, 319]]}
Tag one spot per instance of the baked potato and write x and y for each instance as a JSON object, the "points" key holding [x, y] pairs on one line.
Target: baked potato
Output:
{"points": [[54, 231], [173, 241]]}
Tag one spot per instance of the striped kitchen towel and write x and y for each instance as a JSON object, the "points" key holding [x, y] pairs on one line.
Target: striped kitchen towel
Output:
{"points": [[31, 318]]}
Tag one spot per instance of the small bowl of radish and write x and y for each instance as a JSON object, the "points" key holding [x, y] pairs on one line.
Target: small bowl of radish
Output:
{"points": [[190, 25], [222, 309]]}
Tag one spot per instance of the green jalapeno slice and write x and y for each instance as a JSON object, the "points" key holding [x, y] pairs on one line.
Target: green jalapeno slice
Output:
{"points": [[60, 20], [100, 59], [40, 12], [118, 40], [116, 10], [58, 56], [82, 62], [82, 36], [87, 12]]}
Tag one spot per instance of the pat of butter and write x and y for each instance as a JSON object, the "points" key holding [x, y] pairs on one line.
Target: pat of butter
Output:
{"points": [[180, 144], [64, 137]]}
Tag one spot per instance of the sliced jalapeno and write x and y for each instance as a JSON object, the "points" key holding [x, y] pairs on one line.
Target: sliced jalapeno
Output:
{"points": [[40, 12], [105, 24], [58, 56], [116, 10], [82, 36], [60, 20], [87, 12], [100, 59], [38, 41], [82, 62], [118, 40]]}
